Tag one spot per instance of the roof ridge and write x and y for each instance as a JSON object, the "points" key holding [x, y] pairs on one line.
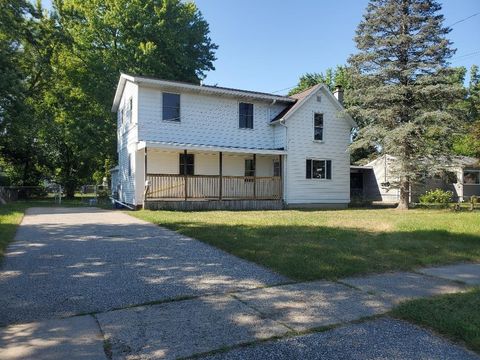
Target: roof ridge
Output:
{"points": [[208, 86]]}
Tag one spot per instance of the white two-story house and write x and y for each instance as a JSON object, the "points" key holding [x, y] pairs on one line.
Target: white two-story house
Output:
{"points": [[186, 146]]}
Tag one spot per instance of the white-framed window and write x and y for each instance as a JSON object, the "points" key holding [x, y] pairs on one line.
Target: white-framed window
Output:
{"points": [[318, 169], [128, 112], [245, 115], [171, 107], [471, 177], [318, 127], [120, 116]]}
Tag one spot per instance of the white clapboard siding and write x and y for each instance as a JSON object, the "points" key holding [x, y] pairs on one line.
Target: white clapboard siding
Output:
{"points": [[301, 146], [205, 120], [127, 135]]}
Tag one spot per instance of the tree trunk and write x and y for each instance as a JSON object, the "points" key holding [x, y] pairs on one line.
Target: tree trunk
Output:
{"points": [[404, 201]]}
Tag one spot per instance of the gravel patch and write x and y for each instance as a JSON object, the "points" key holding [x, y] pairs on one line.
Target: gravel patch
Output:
{"points": [[67, 261], [401, 286], [184, 328], [379, 339]]}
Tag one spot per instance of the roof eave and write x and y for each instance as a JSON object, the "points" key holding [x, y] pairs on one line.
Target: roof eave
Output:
{"points": [[120, 87]]}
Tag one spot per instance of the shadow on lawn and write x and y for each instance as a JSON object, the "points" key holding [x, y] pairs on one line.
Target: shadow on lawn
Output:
{"points": [[320, 252]]}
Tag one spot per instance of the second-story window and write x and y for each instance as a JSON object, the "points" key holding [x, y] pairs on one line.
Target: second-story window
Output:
{"points": [[318, 127], [245, 112], [171, 107], [120, 116], [129, 110]]}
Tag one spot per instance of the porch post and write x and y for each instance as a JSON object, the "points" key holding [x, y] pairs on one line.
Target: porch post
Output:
{"points": [[185, 173], [145, 192], [254, 176], [280, 171], [220, 172]]}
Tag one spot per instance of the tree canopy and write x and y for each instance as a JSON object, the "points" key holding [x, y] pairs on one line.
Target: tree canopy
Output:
{"points": [[59, 71]]}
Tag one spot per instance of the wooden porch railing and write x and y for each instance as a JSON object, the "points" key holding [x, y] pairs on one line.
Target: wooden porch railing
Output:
{"points": [[166, 186]]}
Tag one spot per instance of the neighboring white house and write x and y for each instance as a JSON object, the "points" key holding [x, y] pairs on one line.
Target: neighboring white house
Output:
{"points": [[375, 181], [202, 147]]}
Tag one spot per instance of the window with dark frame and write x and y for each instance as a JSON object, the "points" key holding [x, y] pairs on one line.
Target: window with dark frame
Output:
{"points": [[276, 168], [129, 164], [190, 164], [318, 169], [318, 127], [171, 107], [249, 167], [245, 120], [471, 177]]}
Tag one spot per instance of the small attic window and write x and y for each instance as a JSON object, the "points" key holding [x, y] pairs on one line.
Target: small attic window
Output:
{"points": [[319, 98]]}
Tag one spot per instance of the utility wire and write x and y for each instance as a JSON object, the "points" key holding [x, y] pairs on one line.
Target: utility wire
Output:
{"points": [[462, 57], [464, 19]]}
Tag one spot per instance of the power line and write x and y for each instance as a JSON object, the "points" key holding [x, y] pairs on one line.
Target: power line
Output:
{"points": [[287, 88], [464, 19], [467, 55], [462, 57]]}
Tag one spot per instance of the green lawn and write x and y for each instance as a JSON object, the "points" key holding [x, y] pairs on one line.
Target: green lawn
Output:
{"points": [[456, 316], [10, 217], [307, 245]]}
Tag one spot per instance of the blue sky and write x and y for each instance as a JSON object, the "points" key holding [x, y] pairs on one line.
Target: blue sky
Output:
{"points": [[265, 45]]}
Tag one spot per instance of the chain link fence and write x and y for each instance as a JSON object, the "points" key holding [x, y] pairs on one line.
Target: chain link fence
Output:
{"points": [[54, 194]]}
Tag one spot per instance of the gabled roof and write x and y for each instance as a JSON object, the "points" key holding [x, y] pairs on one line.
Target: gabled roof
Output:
{"points": [[454, 160], [302, 97], [205, 89]]}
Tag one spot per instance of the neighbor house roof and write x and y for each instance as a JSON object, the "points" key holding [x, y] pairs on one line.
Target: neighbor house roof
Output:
{"points": [[205, 89], [455, 160]]}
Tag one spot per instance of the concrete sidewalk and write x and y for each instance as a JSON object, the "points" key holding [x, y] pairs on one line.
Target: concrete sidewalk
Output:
{"points": [[205, 324]]}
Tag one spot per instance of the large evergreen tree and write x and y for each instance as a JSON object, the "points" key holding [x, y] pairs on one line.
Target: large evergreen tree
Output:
{"points": [[404, 91]]}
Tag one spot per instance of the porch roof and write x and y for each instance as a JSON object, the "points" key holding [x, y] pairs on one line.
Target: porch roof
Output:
{"points": [[200, 147]]}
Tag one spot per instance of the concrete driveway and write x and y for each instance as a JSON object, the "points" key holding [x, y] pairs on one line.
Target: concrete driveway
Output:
{"points": [[70, 261]]}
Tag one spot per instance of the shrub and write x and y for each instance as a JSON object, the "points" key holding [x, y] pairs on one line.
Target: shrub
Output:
{"points": [[437, 196]]}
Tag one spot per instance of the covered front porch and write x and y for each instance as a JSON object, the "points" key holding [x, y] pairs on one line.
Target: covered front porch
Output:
{"points": [[193, 177]]}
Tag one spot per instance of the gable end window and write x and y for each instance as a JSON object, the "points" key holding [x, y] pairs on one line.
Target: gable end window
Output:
{"points": [[245, 112], [190, 164], [171, 107], [318, 127], [318, 169]]}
